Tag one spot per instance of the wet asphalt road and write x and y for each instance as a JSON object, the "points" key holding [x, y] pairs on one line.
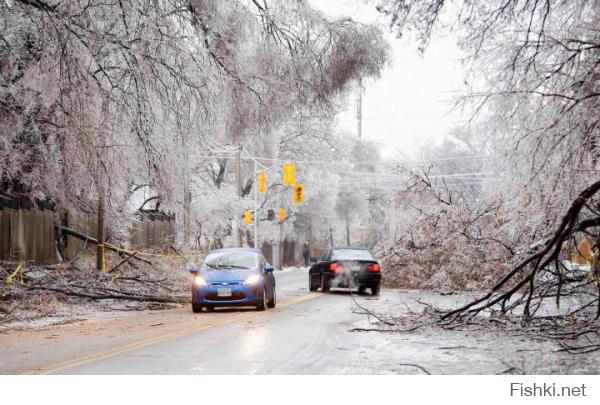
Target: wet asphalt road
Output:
{"points": [[308, 333], [296, 338], [305, 334]]}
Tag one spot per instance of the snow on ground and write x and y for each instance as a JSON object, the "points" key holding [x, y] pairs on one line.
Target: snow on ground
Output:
{"points": [[441, 351]]}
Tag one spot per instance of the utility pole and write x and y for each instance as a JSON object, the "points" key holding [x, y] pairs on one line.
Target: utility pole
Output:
{"points": [[359, 109], [100, 227], [309, 237], [256, 205], [187, 195], [238, 186], [100, 189], [187, 213]]}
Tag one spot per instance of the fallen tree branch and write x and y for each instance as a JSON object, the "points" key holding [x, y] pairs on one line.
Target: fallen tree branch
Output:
{"points": [[122, 262], [112, 296], [87, 238], [423, 369], [540, 260]]}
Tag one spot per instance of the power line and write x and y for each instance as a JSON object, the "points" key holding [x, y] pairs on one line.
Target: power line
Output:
{"points": [[372, 163]]}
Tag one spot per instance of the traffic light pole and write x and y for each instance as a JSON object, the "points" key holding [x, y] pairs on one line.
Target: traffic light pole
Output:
{"points": [[256, 217], [256, 205]]}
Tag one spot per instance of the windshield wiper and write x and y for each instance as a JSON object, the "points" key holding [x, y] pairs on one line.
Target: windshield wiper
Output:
{"points": [[234, 266]]}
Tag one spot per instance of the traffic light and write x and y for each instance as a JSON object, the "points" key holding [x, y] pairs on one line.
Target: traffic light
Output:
{"points": [[281, 214], [289, 174], [248, 217], [262, 182], [298, 193]]}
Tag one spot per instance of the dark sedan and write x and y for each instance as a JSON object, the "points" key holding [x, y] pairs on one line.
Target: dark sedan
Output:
{"points": [[345, 268]]}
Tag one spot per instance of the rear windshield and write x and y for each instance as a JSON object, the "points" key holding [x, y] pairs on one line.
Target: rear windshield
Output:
{"points": [[231, 260], [351, 254]]}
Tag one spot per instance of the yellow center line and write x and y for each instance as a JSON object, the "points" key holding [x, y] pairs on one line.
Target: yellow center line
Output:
{"points": [[158, 339]]}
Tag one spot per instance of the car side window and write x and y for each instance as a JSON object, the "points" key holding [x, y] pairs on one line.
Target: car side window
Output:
{"points": [[325, 255]]}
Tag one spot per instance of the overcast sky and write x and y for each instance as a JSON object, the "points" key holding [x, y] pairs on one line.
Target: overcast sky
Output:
{"points": [[409, 105]]}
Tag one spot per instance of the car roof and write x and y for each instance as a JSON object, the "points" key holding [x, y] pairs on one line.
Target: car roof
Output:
{"points": [[235, 249]]}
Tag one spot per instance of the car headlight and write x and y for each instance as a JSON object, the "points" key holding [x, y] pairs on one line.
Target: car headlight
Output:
{"points": [[200, 282], [253, 279]]}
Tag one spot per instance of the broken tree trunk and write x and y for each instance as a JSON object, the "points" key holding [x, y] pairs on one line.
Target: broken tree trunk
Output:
{"points": [[87, 238]]}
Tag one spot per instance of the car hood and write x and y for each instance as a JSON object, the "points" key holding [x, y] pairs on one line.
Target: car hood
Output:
{"points": [[213, 275]]}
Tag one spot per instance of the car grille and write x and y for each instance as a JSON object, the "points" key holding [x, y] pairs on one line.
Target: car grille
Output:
{"points": [[235, 295], [226, 283]]}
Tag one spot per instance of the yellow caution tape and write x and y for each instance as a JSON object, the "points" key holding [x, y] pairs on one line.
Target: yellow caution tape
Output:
{"points": [[19, 271]]}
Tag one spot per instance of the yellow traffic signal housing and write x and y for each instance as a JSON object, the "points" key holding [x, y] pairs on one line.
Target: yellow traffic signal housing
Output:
{"points": [[281, 214], [248, 217], [289, 174], [262, 182], [298, 193]]}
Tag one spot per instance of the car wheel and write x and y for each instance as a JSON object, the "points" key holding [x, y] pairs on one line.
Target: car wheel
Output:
{"points": [[312, 286], [196, 307], [362, 289], [262, 304], [273, 301], [375, 288], [325, 284]]}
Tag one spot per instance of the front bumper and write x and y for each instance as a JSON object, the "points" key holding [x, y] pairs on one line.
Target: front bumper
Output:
{"points": [[241, 295]]}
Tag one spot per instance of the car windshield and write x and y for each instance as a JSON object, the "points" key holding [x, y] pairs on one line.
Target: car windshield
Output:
{"points": [[351, 254], [231, 260]]}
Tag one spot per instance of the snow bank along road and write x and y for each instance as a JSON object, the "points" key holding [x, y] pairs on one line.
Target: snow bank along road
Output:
{"points": [[308, 333]]}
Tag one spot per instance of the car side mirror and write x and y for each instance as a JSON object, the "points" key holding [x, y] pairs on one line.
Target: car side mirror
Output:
{"points": [[194, 270], [312, 260], [268, 268]]}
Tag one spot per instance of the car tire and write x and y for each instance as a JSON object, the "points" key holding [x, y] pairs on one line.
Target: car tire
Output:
{"points": [[362, 289], [325, 284], [375, 289], [262, 304], [273, 301], [196, 307], [312, 286]]}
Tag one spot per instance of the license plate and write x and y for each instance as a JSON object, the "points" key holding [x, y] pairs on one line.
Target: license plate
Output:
{"points": [[224, 292]]}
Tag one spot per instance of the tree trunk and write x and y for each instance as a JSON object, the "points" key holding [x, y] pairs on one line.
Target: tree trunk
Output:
{"points": [[347, 231], [330, 236]]}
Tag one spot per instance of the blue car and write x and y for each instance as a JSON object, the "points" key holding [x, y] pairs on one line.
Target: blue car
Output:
{"points": [[233, 277]]}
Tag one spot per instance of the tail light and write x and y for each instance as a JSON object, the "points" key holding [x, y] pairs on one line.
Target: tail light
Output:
{"points": [[334, 267], [374, 268]]}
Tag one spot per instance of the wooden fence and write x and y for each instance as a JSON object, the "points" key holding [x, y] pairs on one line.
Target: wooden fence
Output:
{"points": [[27, 236], [154, 234], [84, 223]]}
